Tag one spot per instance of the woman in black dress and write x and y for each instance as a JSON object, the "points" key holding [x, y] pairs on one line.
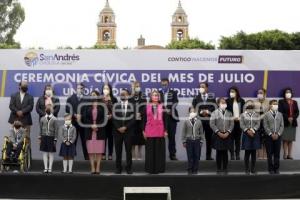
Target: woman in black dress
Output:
{"points": [[139, 101], [109, 99]]}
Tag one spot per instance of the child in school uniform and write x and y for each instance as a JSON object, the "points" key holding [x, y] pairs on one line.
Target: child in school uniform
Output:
{"points": [[192, 139], [250, 124], [274, 126], [48, 137], [67, 133], [221, 122], [16, 140]]}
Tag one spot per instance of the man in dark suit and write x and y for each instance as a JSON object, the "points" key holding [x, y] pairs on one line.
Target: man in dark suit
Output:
{"points": [[21, 105], [205, 104], [169, 99], [123, 122], [74, 106]]}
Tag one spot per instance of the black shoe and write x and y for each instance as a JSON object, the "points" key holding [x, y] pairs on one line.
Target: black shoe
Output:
{"points": [[289, 158], [276, 172], [209, 158], [271, 172], [247, 172], [232, 157], [118, 171], [173, 158], [129, 171], [238, 157]]}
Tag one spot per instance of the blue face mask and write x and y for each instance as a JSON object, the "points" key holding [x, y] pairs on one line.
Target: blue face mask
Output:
{"points": [[165, 88]]}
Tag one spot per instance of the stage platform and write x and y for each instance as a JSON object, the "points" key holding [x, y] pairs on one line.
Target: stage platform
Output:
{"points": [[108, 186]]}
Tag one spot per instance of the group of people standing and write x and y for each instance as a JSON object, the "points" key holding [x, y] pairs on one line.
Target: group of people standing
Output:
{"points": [[105, 124]]}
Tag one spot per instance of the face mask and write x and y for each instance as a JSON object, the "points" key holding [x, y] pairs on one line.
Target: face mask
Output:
{"points": [[232, 95], [48, 111], [223, 106], [17, 126], [154, 98], [250, 107], [137, 89], [288, 95], [106, 92], [193, 115], [274, 107], [24, 89], [68, 122], [49, 93], [79, 91], [202, 90], [260, 96], [123, 98], [165, 88]]}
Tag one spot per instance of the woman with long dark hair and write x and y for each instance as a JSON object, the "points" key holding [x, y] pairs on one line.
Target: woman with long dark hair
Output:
{"points": [[109, 99], [235, 104]]}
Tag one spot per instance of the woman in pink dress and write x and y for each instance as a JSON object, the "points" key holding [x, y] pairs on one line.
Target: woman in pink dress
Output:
{"points": [[95, 133]]}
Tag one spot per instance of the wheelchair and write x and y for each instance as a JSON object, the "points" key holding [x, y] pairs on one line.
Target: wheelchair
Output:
{"points": [[22, 162]]}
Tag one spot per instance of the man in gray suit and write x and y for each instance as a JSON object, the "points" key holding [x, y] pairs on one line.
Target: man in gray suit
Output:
{"points": [[21, 105], [274, 125]]}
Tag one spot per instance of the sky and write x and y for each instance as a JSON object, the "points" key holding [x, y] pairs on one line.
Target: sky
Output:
{"points": [[53, 23]]}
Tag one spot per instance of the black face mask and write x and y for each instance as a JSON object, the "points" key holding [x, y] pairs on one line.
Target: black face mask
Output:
{"points": [[48, 111], [17, 126], [123, 98], [24, 88], [250, 107]]}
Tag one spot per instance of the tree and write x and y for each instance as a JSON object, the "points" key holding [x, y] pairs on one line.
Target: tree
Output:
{"points": [[12, 16], [190, 44], [266, 40]]}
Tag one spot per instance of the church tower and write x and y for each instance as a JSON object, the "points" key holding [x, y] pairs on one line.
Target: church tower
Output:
{"points": [[107, 26], [179, 25]]}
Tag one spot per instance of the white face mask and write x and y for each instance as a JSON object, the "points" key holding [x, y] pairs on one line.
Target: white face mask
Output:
{"points": [[274, 107], [137, 89], [193, 115], [260, 96], [288, 95], [68, 122], [232, 94], [79, 91], [202, 90], [223, 106], [106, 92], [49, 93]]}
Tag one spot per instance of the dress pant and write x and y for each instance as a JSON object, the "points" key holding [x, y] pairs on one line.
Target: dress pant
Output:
{"points": [[155, 155], [121, 138], [208, 137], [171, 129], [273, 153], [236, 139], [109, 141], [193, 149], [9, 149], [81, 133]]}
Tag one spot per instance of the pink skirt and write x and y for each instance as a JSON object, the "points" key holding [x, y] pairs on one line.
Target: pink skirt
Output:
{"points": [[94, 145]]}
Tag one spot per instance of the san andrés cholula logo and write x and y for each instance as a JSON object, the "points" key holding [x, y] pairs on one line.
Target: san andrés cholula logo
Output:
{"points": [[32, 59]]}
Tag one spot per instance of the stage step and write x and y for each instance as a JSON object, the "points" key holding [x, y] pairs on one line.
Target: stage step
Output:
{"points": [[172, 166]]}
